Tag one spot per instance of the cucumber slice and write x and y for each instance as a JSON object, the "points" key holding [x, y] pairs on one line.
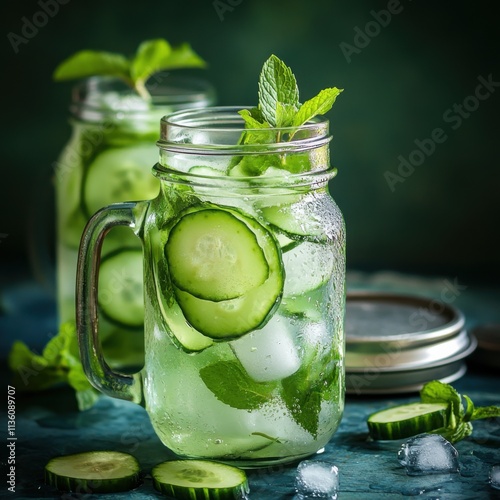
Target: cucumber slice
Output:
{"points": [[231, 318], [93, 472], [213, 255], [121, 287], [120, 174], [408, 420], [200, 479], [205, 171], [182, 334], [308, 266]]}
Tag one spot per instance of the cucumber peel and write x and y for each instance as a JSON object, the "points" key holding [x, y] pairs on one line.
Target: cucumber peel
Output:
{"points": [[200, 479]]}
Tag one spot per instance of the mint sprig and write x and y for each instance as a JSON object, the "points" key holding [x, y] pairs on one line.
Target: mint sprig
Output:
{"points": [[460, 422], [58, 364], [152, 56], [279, 104], [279, 107]]}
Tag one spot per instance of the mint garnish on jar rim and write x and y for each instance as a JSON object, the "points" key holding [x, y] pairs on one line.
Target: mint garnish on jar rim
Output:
{"points": [[279, 107], [151, 57], [279, 104]]}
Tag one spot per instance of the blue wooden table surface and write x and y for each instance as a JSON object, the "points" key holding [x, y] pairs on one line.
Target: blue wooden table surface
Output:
{"points": [[49, 424]]}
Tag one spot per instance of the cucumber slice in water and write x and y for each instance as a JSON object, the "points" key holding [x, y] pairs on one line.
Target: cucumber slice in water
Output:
{"points": [[407, 420], [93, 472], [214, 256], [256, 298], [121, 287], [200, 479], [120, 174], [294, 223], [308, 266]]}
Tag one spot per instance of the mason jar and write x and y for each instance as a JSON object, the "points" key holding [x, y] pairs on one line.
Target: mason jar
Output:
{"points": [[108, 159], [244, 291]]}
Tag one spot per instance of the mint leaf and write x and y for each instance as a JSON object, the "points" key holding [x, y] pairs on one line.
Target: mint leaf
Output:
{"points": [[152, 56], [285, 114], [183, 56], [485, 412], [440, 392], [304, 403], [277, 84], [58, 364], [251, 120], [231, 385], [459, 426], [318, 105], [304, 391], [87, 63]]}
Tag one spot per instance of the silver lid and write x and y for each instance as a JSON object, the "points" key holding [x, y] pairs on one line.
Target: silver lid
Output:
{"points": [[396, 343]]}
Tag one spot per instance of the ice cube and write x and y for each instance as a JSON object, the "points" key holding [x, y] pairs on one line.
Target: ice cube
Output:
{"points": [[269, 353], [495, 477], [316, 479], [428, 454]]}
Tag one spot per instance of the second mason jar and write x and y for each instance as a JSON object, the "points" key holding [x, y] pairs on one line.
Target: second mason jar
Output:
{"points": [[108, 159], [244, 282]]}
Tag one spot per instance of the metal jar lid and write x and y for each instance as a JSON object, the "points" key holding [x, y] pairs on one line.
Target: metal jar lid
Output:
{"points": [[396, 343]]}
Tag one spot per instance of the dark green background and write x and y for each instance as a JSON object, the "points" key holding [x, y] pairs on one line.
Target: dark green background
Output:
{"points": [[443, 219]]}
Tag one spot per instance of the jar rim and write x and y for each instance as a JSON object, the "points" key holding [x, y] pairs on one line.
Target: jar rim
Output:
{"points": [[172, 92], [192, 130]]}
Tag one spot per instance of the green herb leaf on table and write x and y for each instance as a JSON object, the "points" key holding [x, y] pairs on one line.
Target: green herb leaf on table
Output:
{"points": [[460, 425], [151, 57], [58, 364]]}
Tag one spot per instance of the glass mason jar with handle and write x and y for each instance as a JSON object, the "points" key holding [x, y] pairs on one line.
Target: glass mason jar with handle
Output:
{"points": [[244, 292], [108, 159]]}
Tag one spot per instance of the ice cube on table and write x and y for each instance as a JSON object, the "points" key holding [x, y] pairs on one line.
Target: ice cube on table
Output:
{"points": [[495, 476], [428, 454], [269, 353], [316, 479]]}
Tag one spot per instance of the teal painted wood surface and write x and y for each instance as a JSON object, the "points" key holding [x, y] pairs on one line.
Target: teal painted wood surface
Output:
{"points": [[49, 424]]}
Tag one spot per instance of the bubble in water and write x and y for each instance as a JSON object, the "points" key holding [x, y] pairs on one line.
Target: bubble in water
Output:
{"points": [[428, 454], [316, 479]]}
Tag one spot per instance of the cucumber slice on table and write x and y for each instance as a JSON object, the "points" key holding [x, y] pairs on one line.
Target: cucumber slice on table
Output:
{"points": [[120, 174], [200, 479], [408, 420], [121, 287], [233, 299], [94, 472]]}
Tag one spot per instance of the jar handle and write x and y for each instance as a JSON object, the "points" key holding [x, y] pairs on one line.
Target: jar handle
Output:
{"points": [[100, 375]]}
